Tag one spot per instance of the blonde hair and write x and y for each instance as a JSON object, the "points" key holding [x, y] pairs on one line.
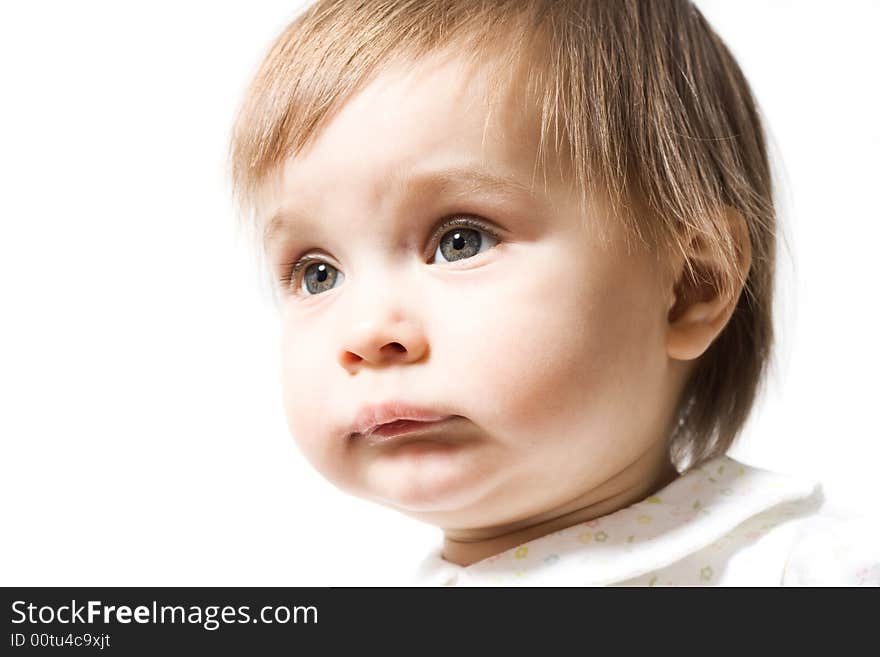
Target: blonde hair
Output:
{"points": [[638, 100]]}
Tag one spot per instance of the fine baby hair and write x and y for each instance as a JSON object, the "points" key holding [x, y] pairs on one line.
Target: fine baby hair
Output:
{"points": [[641, 106]]}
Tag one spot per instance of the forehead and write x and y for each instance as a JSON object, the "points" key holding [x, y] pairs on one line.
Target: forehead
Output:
{"points": [[437, 124]]}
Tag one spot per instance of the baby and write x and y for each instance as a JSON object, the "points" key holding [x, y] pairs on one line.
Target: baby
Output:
{"points": [[523, 253]]}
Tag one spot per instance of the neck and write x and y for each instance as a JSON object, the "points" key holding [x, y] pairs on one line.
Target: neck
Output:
{"points": [[640, 479]]}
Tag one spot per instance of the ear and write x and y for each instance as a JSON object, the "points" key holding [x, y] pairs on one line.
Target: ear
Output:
{"points": [[698, 311]]}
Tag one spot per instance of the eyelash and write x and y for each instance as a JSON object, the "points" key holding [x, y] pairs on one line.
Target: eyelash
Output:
{"points": [[291, 271]]}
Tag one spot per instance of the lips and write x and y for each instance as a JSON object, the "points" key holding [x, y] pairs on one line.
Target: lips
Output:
{"points": [[399, 427], [393, 418]]}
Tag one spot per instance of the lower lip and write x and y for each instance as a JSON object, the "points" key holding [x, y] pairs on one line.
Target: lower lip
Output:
{"points": [[401, 427]]}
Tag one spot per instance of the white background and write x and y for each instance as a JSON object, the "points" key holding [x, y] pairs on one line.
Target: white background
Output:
{"points": [[143, 438]]}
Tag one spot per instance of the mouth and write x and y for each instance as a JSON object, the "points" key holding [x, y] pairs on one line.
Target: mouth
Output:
{"points": [[389, 419], [400, 431]]}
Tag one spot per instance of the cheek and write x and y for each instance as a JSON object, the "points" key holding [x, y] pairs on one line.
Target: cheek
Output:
{"points": [[309, 397], [563, 348]]}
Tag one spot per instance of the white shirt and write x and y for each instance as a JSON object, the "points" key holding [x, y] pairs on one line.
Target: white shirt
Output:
{"points": [[721, 524]]}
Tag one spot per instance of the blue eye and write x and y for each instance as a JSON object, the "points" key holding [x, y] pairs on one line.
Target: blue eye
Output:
{"points": [[462, 243], [465, 239], [318, 276]]}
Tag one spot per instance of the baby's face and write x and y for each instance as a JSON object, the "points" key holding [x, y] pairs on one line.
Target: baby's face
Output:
{"points": [[547, 344]]}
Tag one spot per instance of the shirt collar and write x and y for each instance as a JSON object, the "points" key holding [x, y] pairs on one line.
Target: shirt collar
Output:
{"points": [[691, 512]]}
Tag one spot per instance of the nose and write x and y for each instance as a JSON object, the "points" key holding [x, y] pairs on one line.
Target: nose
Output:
{"points": [[383, 339]]}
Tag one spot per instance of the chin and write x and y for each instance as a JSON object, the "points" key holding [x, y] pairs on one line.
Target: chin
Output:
{"points": [[426, 487]]}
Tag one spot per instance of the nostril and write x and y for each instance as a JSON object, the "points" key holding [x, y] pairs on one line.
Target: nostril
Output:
{"points": [[395, 346]]}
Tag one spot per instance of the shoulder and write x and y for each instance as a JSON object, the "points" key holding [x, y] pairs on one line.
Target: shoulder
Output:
{"points": [[835, 547]]}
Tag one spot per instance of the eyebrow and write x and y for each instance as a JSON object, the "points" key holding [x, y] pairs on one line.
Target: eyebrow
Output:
{"points": [[462, 180]]}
